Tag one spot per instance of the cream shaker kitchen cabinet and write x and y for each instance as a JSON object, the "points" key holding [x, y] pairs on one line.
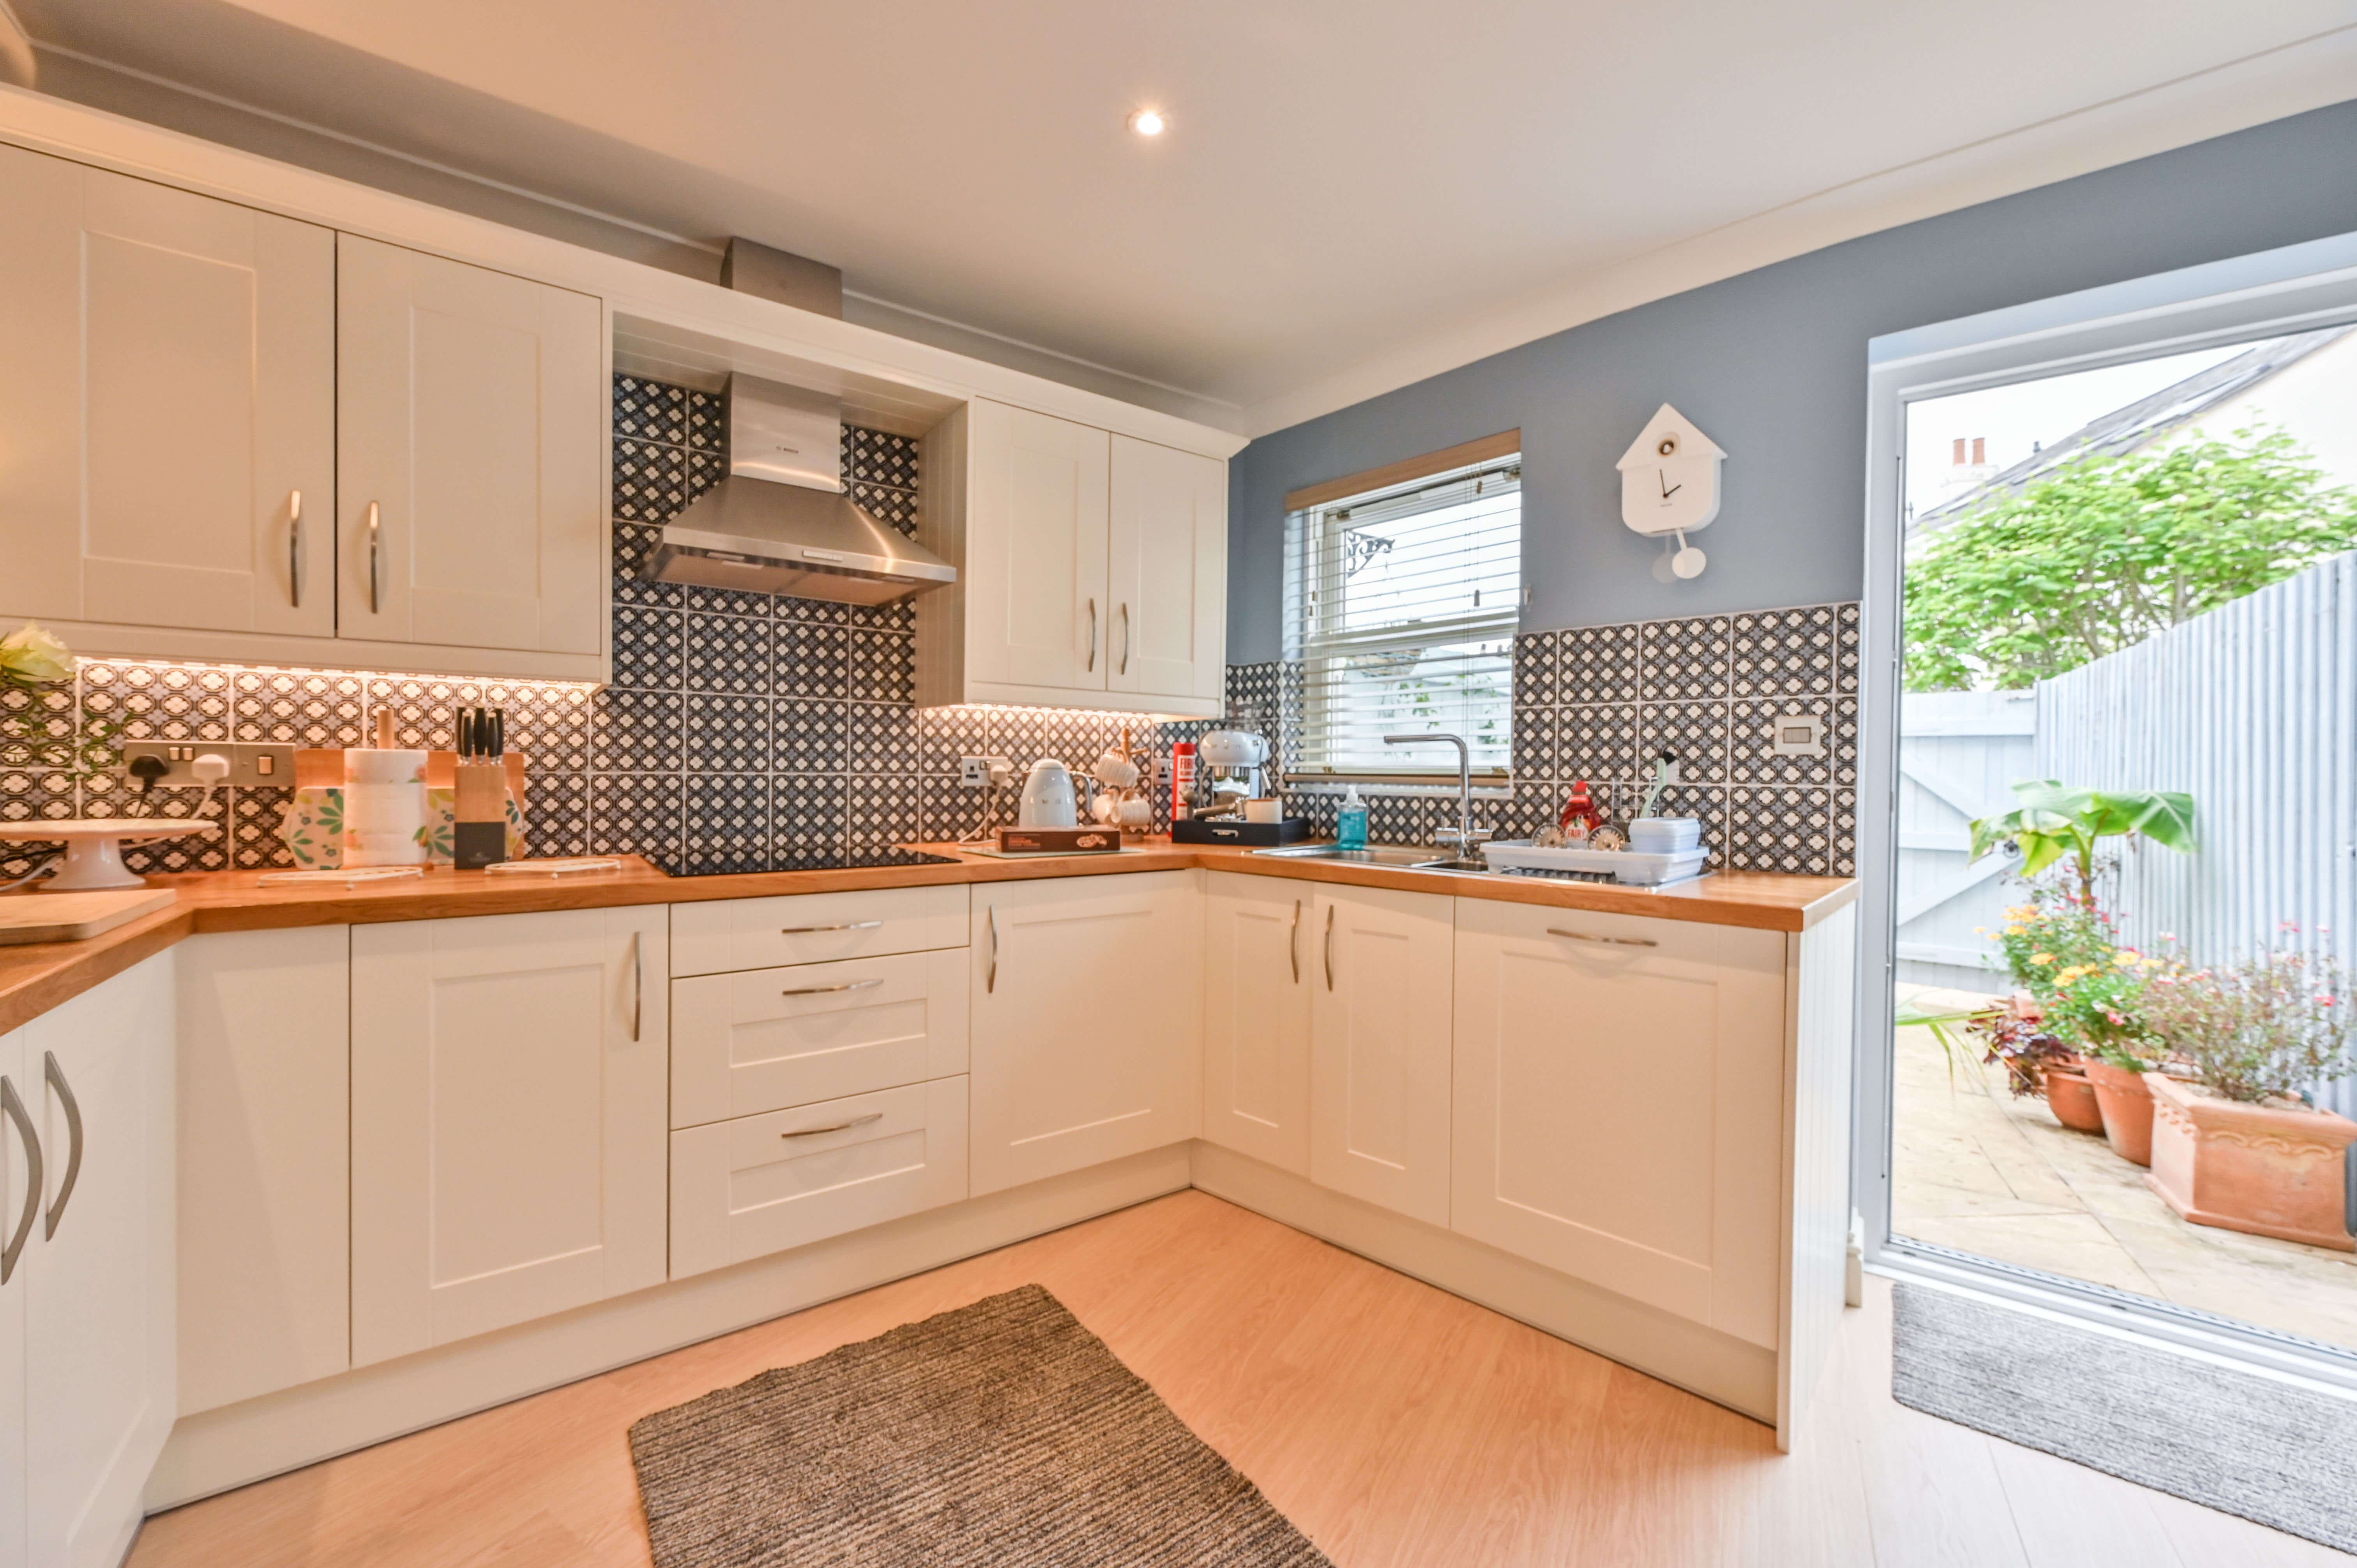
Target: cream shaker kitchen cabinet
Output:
{"points": [[1259, 973], [1379, 1048], [1087, 1022], [1092, 567], [20, 1157], [91, 1287], [1167, 589], [1619, 1104], [471, 434], [168, 385], [508, 1144], [264, 1162]]}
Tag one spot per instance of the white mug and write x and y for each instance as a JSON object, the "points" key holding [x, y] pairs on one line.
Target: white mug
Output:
{"points": [[1268, 810]]}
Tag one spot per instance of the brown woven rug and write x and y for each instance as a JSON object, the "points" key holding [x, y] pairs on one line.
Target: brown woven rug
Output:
{"points": [[1003, 1433]]}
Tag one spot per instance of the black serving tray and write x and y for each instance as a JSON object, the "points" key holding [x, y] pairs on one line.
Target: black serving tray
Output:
{"points": [[1234, 829]]}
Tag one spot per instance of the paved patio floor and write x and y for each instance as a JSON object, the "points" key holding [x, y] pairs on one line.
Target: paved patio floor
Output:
{"points": [[1977, 1170]]}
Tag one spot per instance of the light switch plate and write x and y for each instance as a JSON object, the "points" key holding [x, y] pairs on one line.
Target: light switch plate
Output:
{"points": [[251, 765]]}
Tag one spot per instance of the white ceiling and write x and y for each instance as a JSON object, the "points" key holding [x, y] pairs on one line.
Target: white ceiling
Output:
{"points": [[1352, 192]]}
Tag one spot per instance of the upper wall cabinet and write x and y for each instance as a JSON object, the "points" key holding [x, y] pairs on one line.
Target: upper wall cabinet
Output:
{"points": [[230, 434], [470, 441], [1092, 567], [168, 386]]}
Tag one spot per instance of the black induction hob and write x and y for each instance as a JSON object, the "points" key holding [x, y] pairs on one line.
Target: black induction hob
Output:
{"points": [[796, 860]]}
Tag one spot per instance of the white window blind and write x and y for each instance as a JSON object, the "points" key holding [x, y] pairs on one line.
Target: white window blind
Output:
{"points": [[1401, 605]]}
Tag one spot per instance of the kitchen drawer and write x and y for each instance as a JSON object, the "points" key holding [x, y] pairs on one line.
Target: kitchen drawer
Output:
{"points": [[814, 927], [768, 1039], [761, 1184]]}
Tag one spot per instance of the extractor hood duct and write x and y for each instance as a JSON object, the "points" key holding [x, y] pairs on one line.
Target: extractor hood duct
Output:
{"points": [[779, 522]]}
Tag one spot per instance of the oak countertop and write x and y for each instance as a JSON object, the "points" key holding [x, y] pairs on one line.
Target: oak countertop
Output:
{"points": [[37, 977]]}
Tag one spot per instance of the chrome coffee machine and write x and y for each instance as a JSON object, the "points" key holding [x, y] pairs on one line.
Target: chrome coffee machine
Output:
{"points": [[1231, 768]]}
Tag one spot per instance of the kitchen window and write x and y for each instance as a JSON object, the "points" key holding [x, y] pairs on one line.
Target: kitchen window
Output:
{"points": [[1402, 589]]}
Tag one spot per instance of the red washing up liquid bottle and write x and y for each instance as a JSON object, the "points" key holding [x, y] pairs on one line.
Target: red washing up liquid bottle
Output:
{"points": [[1580, 818]]}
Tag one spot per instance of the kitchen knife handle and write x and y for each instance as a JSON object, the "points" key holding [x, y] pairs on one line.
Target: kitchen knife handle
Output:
{"points": [[294, 548], [990, 980], [1125, 637], [1093, 633], [376, 559], [638, 985], [1616, 942], [1293, 942], [57, 1077], [835, 1126], [1329, 946], [13, 1108]]}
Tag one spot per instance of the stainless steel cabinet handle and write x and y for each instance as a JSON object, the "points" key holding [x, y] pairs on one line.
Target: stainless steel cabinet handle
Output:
{"points": [[1092, 634], [294, 548], [835, 1126], [57, 1077], [850, 925], [1329, 946], [1125, 637], [1293, 942], [638, 985], [1616, 942], [375, 559], [828, 990], [990, 980], [14, 1108]]}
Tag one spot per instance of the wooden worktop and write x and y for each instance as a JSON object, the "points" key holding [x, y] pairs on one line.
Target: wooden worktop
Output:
{"points": [[38, 977]]}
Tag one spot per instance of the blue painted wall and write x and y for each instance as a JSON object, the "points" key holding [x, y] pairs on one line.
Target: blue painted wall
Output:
{"points": [[1772, 365]]}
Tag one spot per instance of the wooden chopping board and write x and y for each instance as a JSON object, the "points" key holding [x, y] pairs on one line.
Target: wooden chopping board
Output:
{"points": [[75, 916]]}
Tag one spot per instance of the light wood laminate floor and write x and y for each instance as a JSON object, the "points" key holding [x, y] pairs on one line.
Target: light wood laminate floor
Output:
{"points": [[1395, 1424]]}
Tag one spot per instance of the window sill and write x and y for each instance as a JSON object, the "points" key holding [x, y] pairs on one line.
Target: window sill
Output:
{"points": [[1489, 789]]}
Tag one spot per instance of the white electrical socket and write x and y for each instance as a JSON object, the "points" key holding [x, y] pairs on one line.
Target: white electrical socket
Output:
{"points": [[975, 772]]}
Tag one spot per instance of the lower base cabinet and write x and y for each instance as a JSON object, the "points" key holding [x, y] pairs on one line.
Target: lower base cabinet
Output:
{"points": [[759, 1185], [87, 1338], [1261, 960], [1379, 1048], [510, 1143], [1087, 1022], [1619, 1104]]}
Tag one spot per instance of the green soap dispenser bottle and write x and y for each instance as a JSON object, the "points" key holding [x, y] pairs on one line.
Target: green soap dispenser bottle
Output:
{"points": [[1350, 826]]}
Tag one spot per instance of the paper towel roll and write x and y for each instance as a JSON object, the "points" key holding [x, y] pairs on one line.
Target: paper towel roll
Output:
{"points": [[385, 808]]}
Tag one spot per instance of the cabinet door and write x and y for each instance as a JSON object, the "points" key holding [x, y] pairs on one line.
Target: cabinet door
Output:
{"points": [[99, 1313], [1035, 590], [471, 435], [1087, 1022], [1168, 572], [1620, 1101], [1260, 956], [168, 388], [1379, 1049], [264, 1162], [17, 1157], [508, 1138]]}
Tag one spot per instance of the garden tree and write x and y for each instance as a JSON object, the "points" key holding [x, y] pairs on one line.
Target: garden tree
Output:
{"points": [[2105, 553]]}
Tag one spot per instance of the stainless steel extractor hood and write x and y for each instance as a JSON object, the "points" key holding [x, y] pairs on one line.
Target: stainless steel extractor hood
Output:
{"points": [[779, 522]]}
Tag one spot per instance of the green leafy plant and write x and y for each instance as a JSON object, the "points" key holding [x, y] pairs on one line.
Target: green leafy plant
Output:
{"points": [[2086, 985], [2266, 1027], [33, 733], [2053, 823], [2108, 550]]}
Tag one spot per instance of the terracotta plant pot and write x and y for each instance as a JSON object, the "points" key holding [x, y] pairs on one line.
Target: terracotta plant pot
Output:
{"points": [[2073, 1100], [2127, 1108], [2256, 1168]]}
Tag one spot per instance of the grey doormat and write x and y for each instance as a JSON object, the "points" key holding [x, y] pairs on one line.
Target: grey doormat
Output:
{"points": [[1003, 1433], [2266, 1451]]}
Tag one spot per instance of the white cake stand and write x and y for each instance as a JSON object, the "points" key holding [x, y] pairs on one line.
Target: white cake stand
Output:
{"points": [[94, 846]]}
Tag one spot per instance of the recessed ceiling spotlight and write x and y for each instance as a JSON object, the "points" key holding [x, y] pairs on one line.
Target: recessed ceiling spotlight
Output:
{"points": [[1149, 122]]}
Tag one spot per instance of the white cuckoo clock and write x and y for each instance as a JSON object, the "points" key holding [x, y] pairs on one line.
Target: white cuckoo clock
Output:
{"points": [[1669, 484]]}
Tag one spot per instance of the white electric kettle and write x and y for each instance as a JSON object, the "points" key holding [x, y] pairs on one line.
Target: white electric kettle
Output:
{"points": [[1047, 801]]}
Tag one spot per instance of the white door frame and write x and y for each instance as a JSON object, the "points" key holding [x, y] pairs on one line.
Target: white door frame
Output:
{"points": [[2269, 293]]}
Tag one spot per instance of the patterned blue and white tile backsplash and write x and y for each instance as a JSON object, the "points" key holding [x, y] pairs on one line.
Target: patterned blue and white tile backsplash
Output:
{"points": [[743, 727]]}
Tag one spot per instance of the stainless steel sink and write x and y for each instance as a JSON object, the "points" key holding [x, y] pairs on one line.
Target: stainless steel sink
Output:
{"points": [[1399, 857]]}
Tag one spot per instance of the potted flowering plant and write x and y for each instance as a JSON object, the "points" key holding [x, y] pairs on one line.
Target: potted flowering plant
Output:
{"points": [[33, 734], [2236, 1144]]}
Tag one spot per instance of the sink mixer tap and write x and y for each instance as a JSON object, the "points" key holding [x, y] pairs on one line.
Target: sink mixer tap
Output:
{"points": [[1465, 835]]}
